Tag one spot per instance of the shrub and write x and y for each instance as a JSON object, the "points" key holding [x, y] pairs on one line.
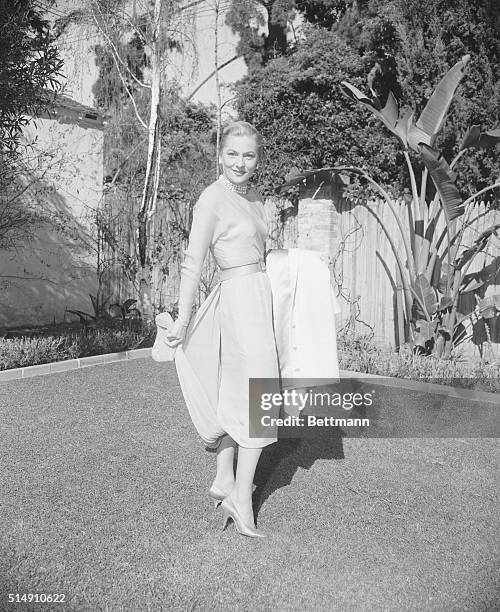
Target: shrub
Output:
{"points": [[36, 350], [360, 354]]}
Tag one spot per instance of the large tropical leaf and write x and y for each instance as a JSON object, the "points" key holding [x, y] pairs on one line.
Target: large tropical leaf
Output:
{"points": [[489, 306], [389, 114], [301, 177], [128, 303], [446, 302], [426, 293], [95, 304], [472, 285], [425, 331], [84, 317], [478, 245], [445, 271], [416, 136], [434, 113], [480, 140], [444, 180]]}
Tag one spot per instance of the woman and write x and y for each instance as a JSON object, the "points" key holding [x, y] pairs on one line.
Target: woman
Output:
{"points": [[229, 219]]}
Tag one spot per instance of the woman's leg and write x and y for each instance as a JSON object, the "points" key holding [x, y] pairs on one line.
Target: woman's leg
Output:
{"points": [[242, 491], [224, 478]]}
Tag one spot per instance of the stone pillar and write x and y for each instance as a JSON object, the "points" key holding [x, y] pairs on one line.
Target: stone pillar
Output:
{"points": [[318, 216]]}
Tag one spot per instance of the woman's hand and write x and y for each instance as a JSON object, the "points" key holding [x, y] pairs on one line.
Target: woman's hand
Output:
{"points": [[176, 335]]}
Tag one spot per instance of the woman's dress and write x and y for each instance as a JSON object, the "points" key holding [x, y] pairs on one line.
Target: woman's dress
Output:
{"points": [[231, 338]]}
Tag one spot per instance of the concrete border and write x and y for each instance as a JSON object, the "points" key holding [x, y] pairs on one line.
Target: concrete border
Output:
{"points": [[426, 387], [72, 364], [401, 383]]}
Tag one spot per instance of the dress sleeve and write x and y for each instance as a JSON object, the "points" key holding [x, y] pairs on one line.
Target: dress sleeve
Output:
{"points": [[200, 238]]}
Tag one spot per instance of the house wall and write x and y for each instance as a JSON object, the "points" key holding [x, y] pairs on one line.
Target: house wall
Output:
{"points": [[56, 270]]}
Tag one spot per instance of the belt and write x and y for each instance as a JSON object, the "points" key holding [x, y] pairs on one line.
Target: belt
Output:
{"points": [[251, 268]]}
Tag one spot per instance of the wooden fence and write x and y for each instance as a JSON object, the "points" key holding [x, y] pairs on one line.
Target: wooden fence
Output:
{"points": [[351, 233], [363, 263]]}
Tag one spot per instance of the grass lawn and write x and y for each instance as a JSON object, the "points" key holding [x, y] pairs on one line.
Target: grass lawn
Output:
{"points": [[103, 499]]}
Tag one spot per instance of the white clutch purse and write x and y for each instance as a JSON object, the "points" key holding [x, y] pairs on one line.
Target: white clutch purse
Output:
{"points": [[161, 350]]}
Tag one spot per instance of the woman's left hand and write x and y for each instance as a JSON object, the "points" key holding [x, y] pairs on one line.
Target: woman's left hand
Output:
{"points": [[177, 334]]}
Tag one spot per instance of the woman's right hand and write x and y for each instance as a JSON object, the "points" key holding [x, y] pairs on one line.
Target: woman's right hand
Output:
{"points": [[177, 334]]}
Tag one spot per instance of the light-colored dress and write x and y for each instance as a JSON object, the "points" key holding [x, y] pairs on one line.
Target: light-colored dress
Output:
{"points": [[231, 339]]}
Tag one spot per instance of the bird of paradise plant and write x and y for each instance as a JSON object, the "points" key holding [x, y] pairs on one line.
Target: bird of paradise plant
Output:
{"points": [[434, 273]]}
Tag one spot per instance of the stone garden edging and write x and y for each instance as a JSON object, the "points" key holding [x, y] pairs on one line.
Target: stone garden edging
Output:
{"points": [[72, 364]]}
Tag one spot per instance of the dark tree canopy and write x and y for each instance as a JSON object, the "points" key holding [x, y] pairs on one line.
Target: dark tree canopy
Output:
{"points": [[405, 46], [297, 104], [262, 25], [29, 63], [410, 44]]}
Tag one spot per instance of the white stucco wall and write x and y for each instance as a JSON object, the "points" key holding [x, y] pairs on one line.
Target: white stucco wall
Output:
{"points": [[56, 270]]}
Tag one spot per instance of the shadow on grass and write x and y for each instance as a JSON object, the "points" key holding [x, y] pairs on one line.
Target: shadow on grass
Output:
{"points": [[279, 462]]}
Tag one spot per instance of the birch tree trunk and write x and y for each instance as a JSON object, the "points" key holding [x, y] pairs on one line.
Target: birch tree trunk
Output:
{"points": [[217, 87], [150, 189]]}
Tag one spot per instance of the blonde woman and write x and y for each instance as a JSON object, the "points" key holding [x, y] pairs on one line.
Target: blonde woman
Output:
{"points": [[231, 338]]}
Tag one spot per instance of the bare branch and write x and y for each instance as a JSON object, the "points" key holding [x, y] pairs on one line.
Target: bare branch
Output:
{"points": [[198, 87]]}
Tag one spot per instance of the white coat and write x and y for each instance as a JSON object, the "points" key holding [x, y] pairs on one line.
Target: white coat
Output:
{"points": [[304, 309]]}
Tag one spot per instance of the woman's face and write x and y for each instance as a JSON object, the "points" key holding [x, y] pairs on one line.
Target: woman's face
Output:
{"points": [[239, 157]]}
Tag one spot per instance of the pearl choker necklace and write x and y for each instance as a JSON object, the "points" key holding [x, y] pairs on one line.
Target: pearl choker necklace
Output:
{"points": [[242, 189]]}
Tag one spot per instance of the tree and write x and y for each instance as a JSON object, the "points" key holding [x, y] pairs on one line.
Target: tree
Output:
{"points": [[123, 89], [188, 141], [248, 19], [435, 263], [403, 46], [155, 31], [29, 63], [266, 27], [409, 44], [297, 104]]}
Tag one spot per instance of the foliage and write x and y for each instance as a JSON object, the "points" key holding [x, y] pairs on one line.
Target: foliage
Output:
{"points": [[150, 190], [126, 310], [403, 46], [266, 27], [104, 314], [187, 167], [29, 66], [188, 140], [361, 354], [434, 274], [323, 13], [409, 44], [247, 18], [22, 352], [297, 104], [27, 351], [29, 62], [100, 311]]}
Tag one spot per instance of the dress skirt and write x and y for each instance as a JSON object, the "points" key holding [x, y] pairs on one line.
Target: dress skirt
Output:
{"points": [[230, 341]]}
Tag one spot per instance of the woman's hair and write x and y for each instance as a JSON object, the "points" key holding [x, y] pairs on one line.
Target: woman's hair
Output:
{"points": [[241, 128]]}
